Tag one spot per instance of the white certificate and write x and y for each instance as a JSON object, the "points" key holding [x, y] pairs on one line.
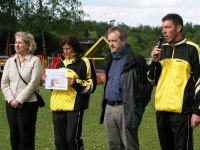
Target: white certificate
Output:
{"points": [[56, 79]]}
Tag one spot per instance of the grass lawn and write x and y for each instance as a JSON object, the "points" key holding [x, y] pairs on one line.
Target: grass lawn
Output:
{"points": [[93, 133]]}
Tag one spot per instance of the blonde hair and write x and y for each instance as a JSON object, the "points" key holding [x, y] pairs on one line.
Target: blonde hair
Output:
{"points": [[28, 39]]}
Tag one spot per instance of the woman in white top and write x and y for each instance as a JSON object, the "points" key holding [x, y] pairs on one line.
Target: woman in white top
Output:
{"points": [[21, 102]]}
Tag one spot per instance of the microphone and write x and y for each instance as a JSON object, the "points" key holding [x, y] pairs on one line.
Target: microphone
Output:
{"points": [[160, 40]]}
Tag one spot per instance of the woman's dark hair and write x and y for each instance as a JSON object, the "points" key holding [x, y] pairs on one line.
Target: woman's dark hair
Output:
{"points": [[74, 43]]}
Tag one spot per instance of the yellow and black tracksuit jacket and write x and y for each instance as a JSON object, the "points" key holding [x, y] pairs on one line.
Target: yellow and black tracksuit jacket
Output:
{"points": [[76, 97], [175, 76]]}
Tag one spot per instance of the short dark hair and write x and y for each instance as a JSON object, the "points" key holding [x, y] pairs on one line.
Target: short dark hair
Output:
{"points": [[176, 18], [74, 43], [120, 30]]}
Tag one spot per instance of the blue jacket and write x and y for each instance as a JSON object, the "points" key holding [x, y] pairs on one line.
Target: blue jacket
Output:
{"points": [[136, 91]]}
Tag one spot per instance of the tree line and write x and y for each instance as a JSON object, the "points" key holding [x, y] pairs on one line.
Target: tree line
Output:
{"points": [[50, 20]]}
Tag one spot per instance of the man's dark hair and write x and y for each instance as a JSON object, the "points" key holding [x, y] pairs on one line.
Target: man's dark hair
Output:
{"points": [[120, 30], [176, 18]]}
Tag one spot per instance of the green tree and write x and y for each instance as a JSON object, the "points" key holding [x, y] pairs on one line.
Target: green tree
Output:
{"points": [[40, 17], [8, 17], [92, 34]]}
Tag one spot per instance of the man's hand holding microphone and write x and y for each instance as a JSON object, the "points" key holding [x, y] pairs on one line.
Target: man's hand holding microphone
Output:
{"points": [[155, 54]]}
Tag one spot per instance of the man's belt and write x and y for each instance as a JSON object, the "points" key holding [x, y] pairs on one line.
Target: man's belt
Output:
{"points": [[115, 103]]}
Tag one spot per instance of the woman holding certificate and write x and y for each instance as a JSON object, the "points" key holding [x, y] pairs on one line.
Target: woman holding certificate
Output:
{"points": [[68, 105]]}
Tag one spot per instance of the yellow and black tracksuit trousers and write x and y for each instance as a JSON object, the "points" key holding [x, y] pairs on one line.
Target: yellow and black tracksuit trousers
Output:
{"points": [[174, 131], [68, 129]]}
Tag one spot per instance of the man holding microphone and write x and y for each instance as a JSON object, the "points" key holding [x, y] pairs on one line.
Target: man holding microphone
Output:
{"points": [[174, 68]]}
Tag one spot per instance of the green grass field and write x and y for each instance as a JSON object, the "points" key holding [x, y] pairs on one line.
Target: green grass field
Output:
{"points": [[93, 133]]}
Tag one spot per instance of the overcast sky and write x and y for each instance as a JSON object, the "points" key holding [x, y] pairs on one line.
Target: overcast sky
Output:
{"points": [[136, 12]]}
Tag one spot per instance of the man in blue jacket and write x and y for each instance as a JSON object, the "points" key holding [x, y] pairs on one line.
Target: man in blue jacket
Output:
{"points": [[126, 92]]}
